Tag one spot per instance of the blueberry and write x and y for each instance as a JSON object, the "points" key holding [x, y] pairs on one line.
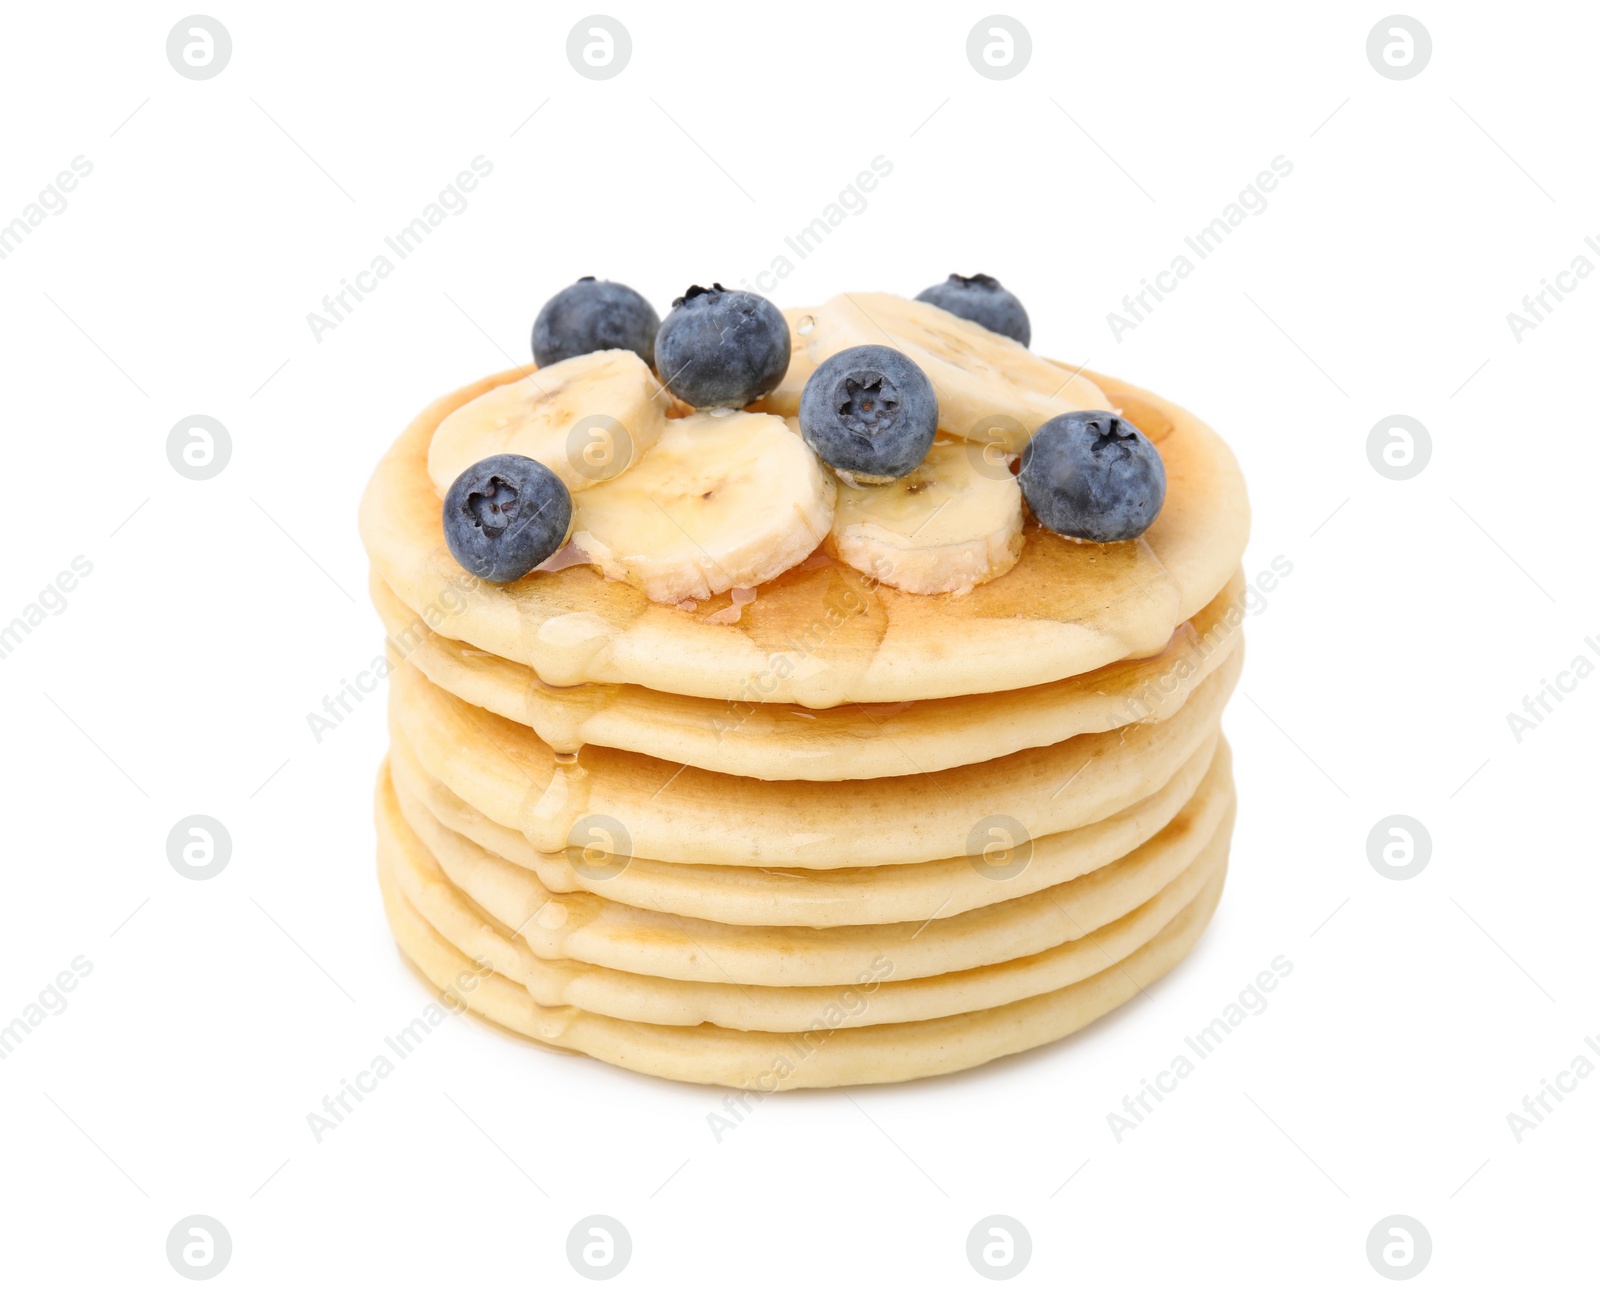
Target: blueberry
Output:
{"points": [[504, 516], [1093, 476], [869, 411], [594, 315], [721, 348], [981, 299]]}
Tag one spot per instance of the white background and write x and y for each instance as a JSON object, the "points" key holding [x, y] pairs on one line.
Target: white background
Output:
{"points": [[218, 614]]}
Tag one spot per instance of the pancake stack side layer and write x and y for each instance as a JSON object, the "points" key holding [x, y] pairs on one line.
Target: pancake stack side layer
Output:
{"points": [[832, 834]]}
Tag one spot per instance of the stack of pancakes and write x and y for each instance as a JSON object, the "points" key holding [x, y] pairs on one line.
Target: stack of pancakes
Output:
{"points": [[839, 834]]}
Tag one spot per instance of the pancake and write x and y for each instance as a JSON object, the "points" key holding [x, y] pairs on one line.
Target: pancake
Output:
{"points": [[809, 830], [823, 1056], [681, 814], [861, 740], [554, 983], [823, 634], [820, 897], [589, 930]]}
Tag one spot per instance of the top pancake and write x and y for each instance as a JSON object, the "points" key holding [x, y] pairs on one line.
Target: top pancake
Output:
{"points": [[823, 634]]}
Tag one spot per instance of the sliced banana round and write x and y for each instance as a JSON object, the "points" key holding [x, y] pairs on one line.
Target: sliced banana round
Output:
{"points": [[721, 501], [586, 419], [990, 388], [951, 523], [784, 399]]}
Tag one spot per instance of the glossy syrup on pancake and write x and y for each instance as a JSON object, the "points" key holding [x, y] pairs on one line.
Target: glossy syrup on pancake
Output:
{"points": [[822, 634]]}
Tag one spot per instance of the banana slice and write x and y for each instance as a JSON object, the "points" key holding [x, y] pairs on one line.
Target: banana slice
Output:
{"points": [[721, 501], [951, 523], [586, 419], [784, 399], [990, 388]]}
